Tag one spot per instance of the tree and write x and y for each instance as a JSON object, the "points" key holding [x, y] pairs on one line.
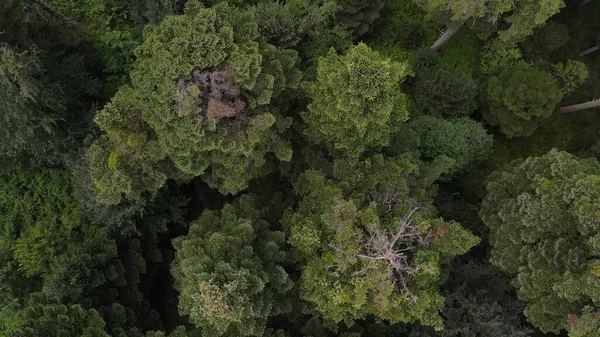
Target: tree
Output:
{"points": [[545, 40], [462, 139], [288, 24], [586, 324], [524, 15], [143, 12], [543, 219], [570, 75], [442, 90], [359, 15], [591, 49], [497, 56], [519, 99], [199, 105], [356, 102], [367, 245], [30, 106], [229, 271], [48, 236], [479, 302], [44, 317]]}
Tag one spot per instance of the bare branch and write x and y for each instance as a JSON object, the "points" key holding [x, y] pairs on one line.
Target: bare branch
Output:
{"points": [[47, 8]]}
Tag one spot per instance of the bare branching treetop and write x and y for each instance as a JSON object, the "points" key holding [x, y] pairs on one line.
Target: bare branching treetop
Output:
{"points": [[394, 247]]}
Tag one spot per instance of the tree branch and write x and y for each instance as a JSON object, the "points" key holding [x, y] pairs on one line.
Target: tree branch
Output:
{"points": [[47, 8]]}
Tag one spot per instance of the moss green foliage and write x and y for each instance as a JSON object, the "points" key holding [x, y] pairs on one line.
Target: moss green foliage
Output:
{"points": [[43, 317], [462, 139], [286, 24], [229, 271], [441, 91], [545, 40], [365, 248], [570, 75], [479, 301], [190, 132], [497, 56], [30, 221], [143, 12], [356, 101], [521, 16], [48, 236], [586, 324], [283, 168], [29, 104], [542, 214], [401, 28], [519, 99], [462, 53], [359, 15], [111, 34]]}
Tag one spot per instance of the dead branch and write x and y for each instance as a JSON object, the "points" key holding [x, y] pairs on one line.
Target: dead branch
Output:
{"points": [[47, 8]]}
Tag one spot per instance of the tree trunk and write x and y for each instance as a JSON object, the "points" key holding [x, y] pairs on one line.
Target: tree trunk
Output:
{"points": [[47, 8], [590, 50], [447, 35], [582, 106]]}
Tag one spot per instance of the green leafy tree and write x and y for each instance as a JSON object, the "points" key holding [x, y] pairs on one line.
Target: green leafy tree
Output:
{"points": [[461, 139], [199, 105], [366, 247], [522, 16], [585, 325], [229, 271], [479, 302], [545, 40], [43, 317], [497, 56], [48, 236], [48, 82], [543, 219], [442, 90], [519, 99], [29, 104], [359, 15], [287, 24], [143, 12], [356, 101], [570, 75], [112, 34]]}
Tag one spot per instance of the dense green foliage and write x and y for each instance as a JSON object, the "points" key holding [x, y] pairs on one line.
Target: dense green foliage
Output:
{"points": [[229, 271], [461, 139], [198, 106], [356, 102], [543, 218], [380, 257], [521, 16], [441, 91], [519, 99], [315, 168]]}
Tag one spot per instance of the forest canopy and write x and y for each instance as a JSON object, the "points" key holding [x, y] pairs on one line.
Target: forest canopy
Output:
{"points": [[299, 168]]}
